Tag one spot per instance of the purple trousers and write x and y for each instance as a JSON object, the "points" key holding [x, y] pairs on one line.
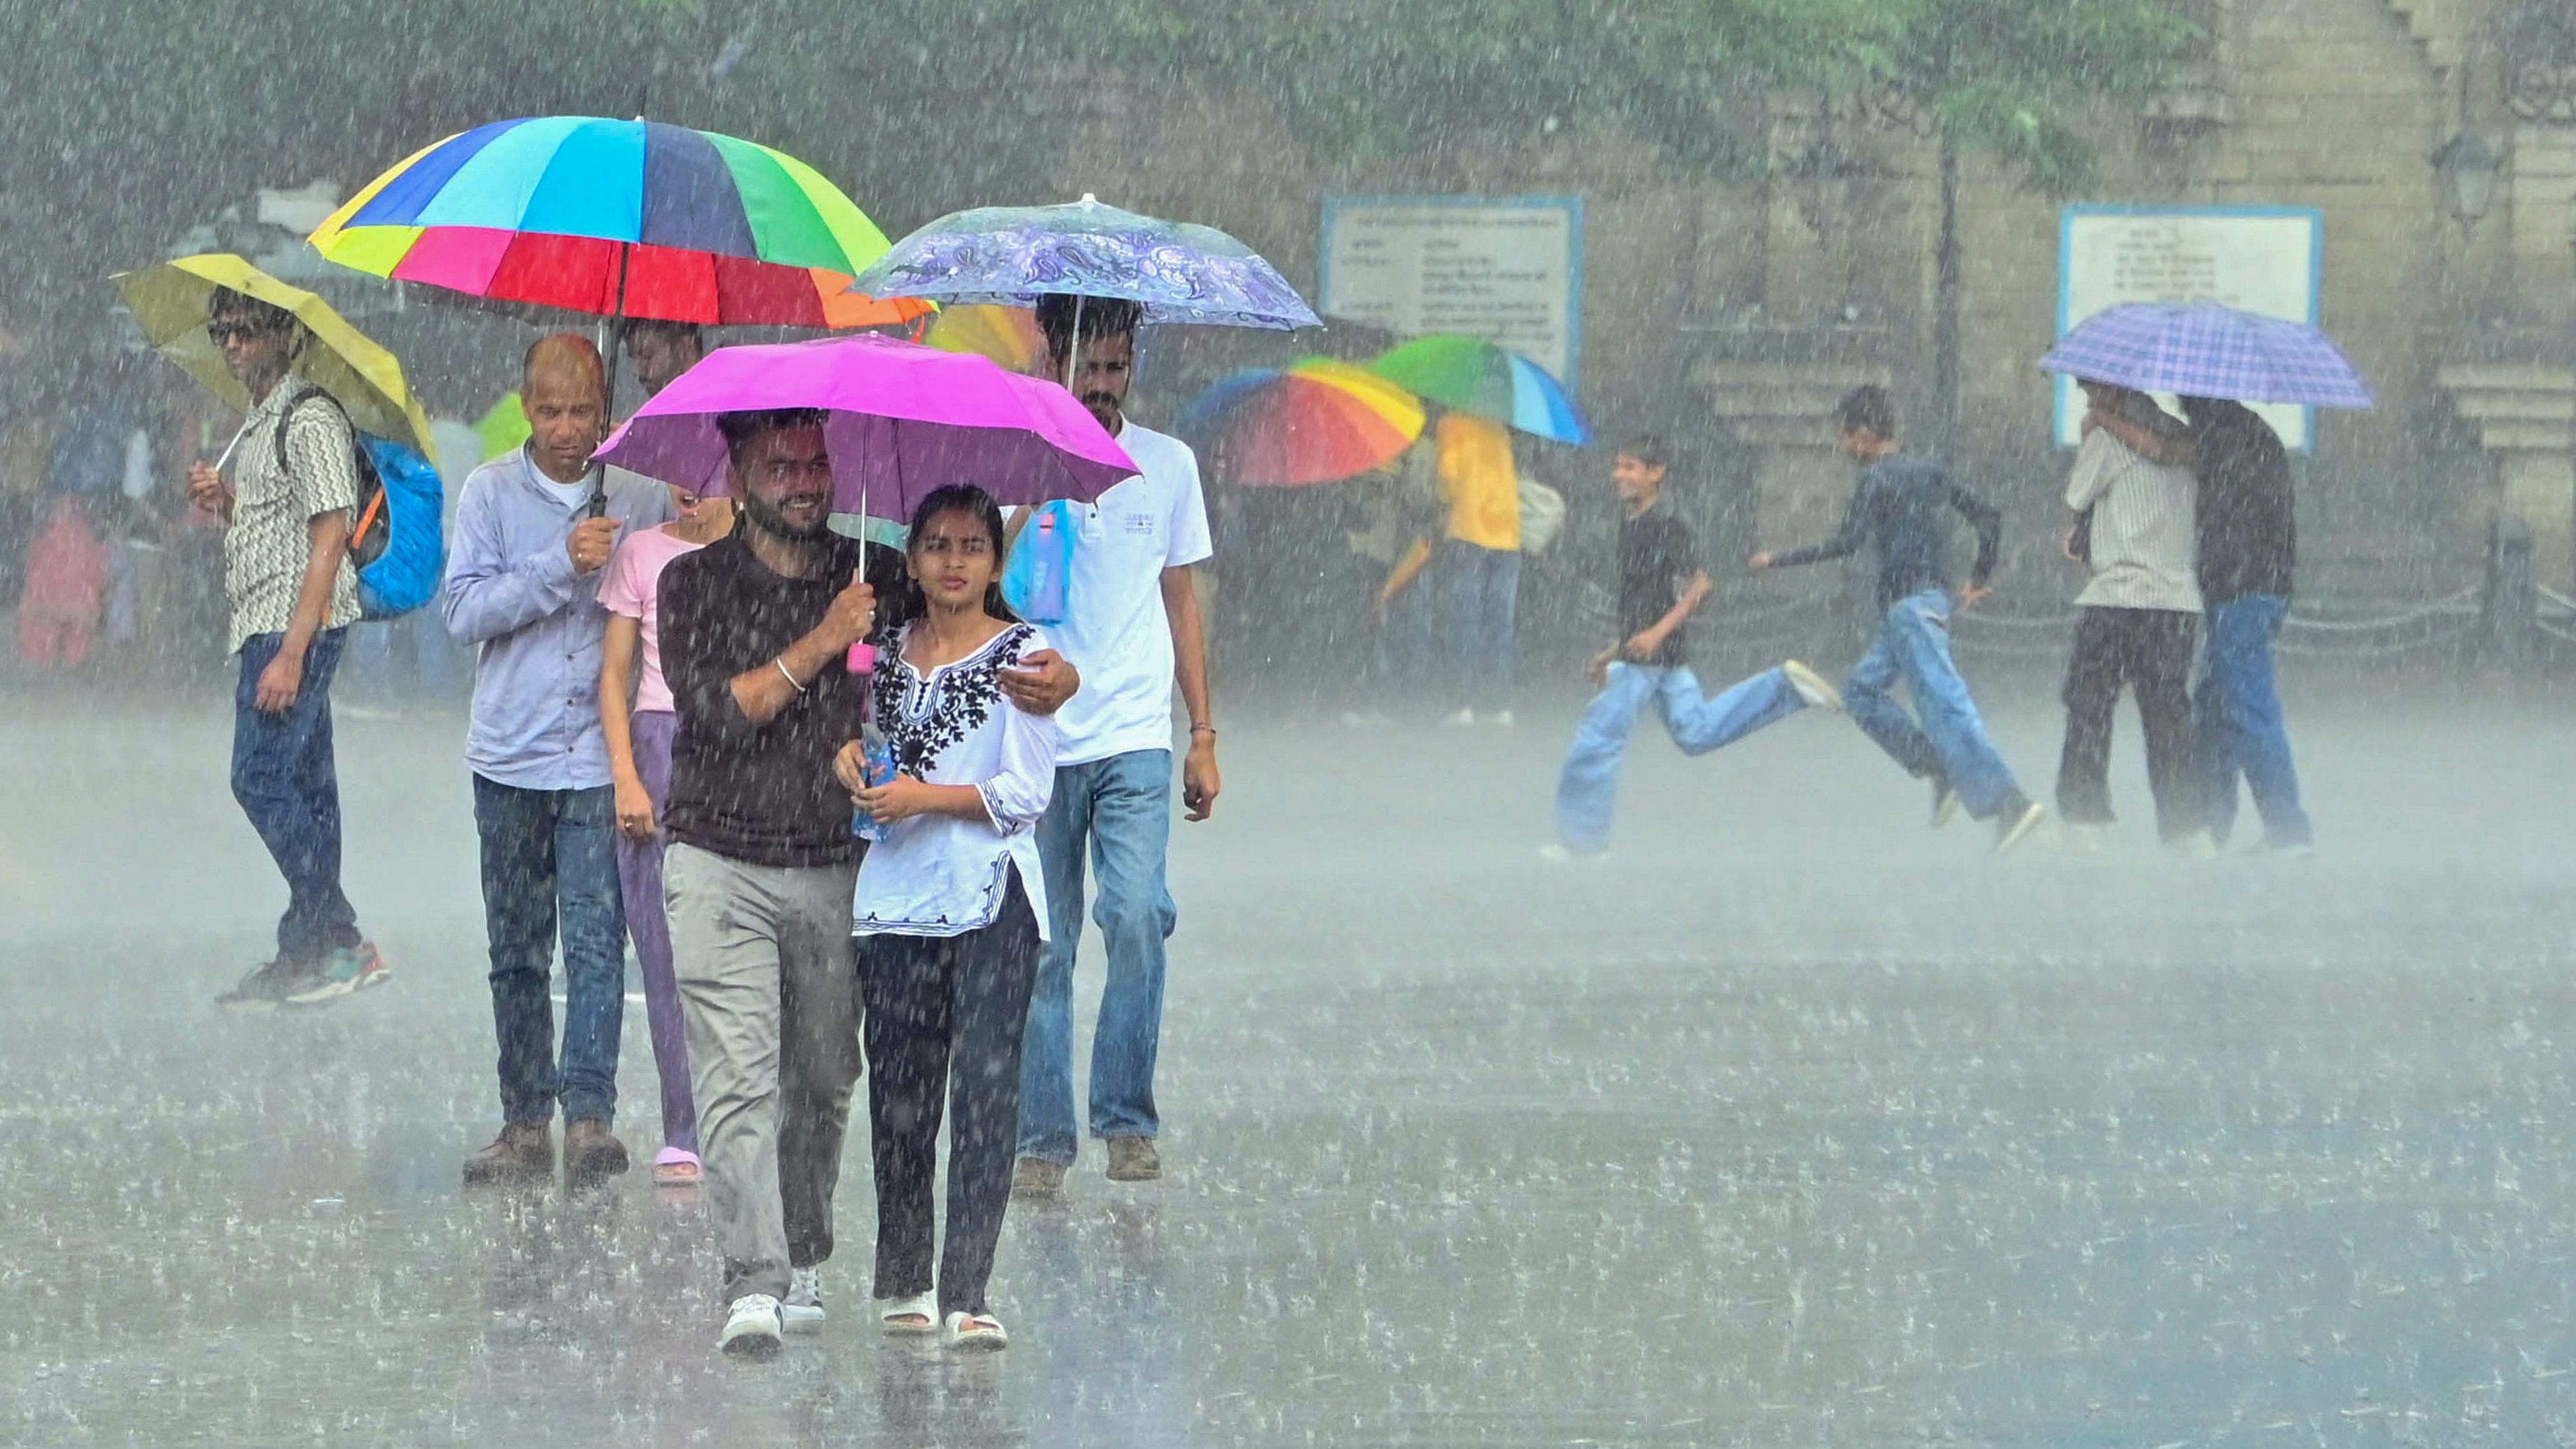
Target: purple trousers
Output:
{"points": [[639, 875]]}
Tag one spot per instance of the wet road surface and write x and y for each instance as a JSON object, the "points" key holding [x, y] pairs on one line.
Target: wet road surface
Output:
{"points": [[1793, 1123]]}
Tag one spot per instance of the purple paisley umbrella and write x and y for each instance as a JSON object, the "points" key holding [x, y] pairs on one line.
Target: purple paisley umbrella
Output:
{"points": [[1012, 255], [2204, 350]]}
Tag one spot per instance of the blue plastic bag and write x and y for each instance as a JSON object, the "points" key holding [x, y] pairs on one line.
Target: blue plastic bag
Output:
{"points": [[1039, 579]]}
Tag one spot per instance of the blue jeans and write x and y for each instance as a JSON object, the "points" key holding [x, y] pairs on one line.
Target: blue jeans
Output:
{"points": [[1589, 789], [1913, 644], [1123, 807], [1483, 589], [2238, 712], [550, 854], [285, 780]]}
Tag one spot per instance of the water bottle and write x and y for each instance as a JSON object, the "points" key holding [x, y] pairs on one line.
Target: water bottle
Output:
{"points": [[877, 764]]}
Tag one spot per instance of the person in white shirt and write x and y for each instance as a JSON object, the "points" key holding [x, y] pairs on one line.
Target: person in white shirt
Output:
{"points": [[950, 914], [2129, 519], [1132, 629]]}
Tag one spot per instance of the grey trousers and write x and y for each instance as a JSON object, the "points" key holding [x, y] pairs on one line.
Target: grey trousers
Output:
{"points": [[771, 996]]}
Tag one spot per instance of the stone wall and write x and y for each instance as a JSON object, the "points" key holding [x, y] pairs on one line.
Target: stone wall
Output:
{"points": [[1733, 310]]}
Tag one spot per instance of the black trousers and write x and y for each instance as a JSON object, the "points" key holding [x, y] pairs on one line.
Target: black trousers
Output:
{"points": [[2149, 650], [946, 1013]]}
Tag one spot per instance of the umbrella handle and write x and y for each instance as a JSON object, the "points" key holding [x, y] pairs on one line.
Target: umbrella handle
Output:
{"points": [[226, 455]]}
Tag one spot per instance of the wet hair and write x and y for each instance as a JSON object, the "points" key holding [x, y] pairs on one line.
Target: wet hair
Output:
{"points": [[1866, 409], [1648, 449], [977, 504], [639, 327], [1101, 317], [741, 428], [267, 316]]}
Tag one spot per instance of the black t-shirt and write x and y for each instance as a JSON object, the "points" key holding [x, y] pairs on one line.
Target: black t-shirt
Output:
{"points": [[2247, 524], [1657, 560], [761, 794]]}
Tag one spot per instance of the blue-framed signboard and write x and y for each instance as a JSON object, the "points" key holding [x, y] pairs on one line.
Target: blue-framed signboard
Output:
{"points": [[1508, 269], [2266, 259]]}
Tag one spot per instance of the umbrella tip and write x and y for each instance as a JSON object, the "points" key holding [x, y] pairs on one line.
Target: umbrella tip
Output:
{"points": [[1088, 199]]}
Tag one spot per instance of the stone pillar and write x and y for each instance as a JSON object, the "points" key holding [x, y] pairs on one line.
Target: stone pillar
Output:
{"points": [[1786, 409], [2523, 413]]}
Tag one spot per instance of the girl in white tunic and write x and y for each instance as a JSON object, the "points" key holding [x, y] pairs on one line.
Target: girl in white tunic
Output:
{"points": [[951, 913]]}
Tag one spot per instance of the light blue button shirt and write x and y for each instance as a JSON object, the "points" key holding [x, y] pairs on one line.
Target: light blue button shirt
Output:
{"points": [[538, 628]]}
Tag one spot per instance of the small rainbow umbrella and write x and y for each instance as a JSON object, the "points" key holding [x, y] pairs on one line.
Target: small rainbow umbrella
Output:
{"points": [[1319, 421], [1477, 377], [619, 219]]}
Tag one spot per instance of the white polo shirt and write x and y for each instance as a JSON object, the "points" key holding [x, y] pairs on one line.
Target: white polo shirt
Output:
{"points": [[1115, 630]]}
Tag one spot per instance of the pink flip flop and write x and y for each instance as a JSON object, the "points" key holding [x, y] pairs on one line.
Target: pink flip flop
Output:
{"points": [[675, 1167]]}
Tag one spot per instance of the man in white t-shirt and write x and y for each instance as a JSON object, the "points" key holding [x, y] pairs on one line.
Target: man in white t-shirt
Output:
{"points": [[1132, 629]]}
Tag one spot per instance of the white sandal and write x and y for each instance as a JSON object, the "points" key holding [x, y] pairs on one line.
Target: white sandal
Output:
{"points": [[976, 1331], [892, 1313]]}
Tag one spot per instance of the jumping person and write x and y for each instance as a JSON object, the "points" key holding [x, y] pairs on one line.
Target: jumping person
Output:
{"points": [[1661, 585], [1896, 509]]}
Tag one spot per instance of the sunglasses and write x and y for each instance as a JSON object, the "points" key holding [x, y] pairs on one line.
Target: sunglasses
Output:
{"points": [[223, 332]]}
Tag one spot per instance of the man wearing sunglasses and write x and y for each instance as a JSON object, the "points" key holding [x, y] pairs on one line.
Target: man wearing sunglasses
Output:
{"points": [[294, 595]]}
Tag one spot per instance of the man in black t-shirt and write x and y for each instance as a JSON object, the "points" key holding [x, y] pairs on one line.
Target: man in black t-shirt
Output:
{"points": [[1661, 584], [756, 630], [2248, 538]]}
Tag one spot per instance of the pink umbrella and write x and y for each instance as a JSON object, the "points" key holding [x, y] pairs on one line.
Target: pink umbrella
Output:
{"points": [[903, 420]]}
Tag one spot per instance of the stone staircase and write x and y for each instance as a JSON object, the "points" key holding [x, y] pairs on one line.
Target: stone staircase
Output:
{"points": [[2441, 27]]}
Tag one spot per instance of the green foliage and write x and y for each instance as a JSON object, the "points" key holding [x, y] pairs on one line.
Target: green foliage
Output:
{"points": [[2008, 77]]}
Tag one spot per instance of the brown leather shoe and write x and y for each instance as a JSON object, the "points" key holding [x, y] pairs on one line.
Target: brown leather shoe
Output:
{"points": [[591, 1155], [1133, 1159], [523, 1153], [1036, 1178]]}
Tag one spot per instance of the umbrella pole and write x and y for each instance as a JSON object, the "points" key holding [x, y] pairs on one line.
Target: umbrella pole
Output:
{"points": [[227, 455], [598, 505], [1073, 351]]}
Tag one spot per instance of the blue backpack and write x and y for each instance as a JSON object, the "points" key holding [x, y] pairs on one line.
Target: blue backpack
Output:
{"points": [[396, 541]]}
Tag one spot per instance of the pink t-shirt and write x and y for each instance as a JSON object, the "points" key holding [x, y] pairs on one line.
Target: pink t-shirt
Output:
{"points": [[632, 585]]}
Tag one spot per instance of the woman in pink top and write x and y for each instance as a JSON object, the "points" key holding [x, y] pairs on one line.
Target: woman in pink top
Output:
{"points": [[639, 756]]}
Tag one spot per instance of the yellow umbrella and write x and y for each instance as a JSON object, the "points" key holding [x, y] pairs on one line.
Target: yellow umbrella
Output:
{"points": [[1008, 335], [169, 301], [503, 427]]}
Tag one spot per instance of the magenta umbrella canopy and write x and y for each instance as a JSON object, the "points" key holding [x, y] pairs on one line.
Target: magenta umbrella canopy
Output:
{"points": [[904, 420]]}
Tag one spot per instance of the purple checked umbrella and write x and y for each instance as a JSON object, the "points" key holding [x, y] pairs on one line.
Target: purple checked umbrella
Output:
{"points": [[902, 421], [2201, 349]]}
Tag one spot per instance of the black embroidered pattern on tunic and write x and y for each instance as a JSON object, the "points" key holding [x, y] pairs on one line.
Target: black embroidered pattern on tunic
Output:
{"points": [[920, 718]]}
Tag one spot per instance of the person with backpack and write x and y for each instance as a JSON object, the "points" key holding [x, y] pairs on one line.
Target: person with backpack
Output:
{"points": [[287, 515]]}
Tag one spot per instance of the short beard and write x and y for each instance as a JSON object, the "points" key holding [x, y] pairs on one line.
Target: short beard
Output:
{"points": [[761, 514]]}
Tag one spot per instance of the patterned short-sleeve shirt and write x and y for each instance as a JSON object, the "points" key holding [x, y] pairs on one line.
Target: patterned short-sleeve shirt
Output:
{"points": [[277, 494]]}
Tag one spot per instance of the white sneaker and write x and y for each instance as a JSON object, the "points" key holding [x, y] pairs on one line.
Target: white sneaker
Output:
{"points": [[1811, 686], [2195, 846], [2082, 838], [976, 1331], [803, 1310], [751, 1328], [1464, 719], [897, 1315], [1503, 720]]}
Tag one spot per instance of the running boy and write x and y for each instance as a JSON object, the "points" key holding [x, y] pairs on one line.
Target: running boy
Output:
{"points": [[1896, 508], [1661, 584]]}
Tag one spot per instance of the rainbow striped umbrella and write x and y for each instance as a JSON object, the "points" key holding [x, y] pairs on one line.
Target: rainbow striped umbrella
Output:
{"points": [[619, 219], [1481, 379], [1318, 422]]}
